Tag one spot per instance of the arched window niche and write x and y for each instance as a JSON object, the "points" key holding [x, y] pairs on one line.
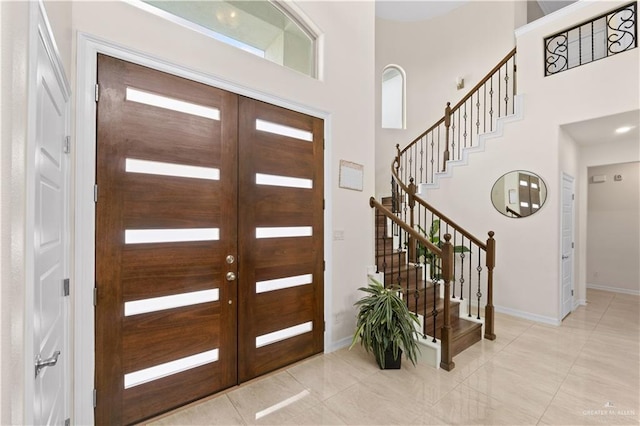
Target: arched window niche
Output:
{"points": [[393, 100], [269, 29]]}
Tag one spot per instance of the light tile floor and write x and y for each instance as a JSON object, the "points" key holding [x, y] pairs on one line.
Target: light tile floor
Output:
{"points": [[584, 372]]}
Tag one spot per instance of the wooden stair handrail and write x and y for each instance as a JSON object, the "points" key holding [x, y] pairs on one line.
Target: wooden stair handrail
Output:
{"points": [[470, 93], [432, 247], [484, 80], [442, 217]]}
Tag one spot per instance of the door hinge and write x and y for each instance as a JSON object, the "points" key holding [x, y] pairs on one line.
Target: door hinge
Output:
{"points": [[67, 422], [324, 265], [97, 92], [95, 296], [95, 193], [65, 286], [573, 196], [95, 398], [67, 145], [323, 143], [324, 326], [572, 292], [324, 204], [572, 245]]}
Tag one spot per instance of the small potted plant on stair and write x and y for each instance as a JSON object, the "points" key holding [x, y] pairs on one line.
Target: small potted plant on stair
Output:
{"points": [[385, 326]]}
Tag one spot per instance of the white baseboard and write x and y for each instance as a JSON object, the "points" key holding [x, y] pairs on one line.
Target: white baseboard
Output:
{"points": [[342, 343], [579, 302], [430, 352], [527, 315], [614, 289]]}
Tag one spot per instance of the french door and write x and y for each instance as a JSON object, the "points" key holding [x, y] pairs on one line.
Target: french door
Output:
{"points": [[209, 225]]}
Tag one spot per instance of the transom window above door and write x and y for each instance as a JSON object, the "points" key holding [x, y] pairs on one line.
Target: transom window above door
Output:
{"points": [[264, 28]]}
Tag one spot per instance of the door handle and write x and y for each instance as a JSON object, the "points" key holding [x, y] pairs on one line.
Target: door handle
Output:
{"points": [[565, 256], [48, 362], [231, 276]]}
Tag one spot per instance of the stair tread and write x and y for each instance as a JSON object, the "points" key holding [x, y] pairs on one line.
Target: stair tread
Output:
{"points": [[462, 327]]}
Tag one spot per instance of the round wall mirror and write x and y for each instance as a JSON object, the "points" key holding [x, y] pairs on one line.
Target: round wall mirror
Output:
{"points": [[518, 193]]}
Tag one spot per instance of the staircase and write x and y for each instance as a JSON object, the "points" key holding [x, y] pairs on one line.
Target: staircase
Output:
{"points": [[422, 293], [413, 237], [444, 272]]}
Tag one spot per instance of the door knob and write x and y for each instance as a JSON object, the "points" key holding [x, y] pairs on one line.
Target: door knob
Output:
{"points": [[49, 362], [231, 276]]}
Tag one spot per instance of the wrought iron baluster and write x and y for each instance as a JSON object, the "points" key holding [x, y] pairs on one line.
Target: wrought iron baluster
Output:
{"points": [[515, 69], [432, 157], [579, 45], [471, 285], [434, 312], [459, 139], [471, 246], [593, 44], [479, 292], [465, 124], [506, 89], [438, 150], [453, 275], [491, 104], [421, 157], [462, 256], [484, 109], [471, 119], [416, 291], [498, 116], [453, 137]]}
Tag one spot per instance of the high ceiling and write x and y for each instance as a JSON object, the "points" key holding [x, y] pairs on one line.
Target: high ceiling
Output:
{"points": [[420, 10]]}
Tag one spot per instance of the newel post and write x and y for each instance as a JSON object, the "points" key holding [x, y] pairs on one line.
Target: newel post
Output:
{"points": [[446, 359], [488, 310], [412, 203], [447, 125]]}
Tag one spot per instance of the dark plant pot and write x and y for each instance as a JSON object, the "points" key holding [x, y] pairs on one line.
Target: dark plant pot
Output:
{"points": [[390, 363]]}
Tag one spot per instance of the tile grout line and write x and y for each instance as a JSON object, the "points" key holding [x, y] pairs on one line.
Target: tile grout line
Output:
{"points": [[574, 362]]}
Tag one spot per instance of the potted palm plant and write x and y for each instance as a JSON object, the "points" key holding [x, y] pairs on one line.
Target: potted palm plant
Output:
{"points": [[385, 326], [428, 258]]}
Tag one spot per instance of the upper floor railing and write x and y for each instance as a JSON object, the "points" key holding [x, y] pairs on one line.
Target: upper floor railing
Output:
{"points": [[606, 35]]}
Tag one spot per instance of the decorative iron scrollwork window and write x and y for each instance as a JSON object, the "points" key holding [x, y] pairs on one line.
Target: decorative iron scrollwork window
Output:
{"points": [[608, 34]]}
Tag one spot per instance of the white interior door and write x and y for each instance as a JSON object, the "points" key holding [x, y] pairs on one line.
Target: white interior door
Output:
{"points": [[51, 248], [567, 245]]}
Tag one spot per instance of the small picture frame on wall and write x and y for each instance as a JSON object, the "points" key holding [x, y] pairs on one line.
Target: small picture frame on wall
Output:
{"points": [[351, 175]]}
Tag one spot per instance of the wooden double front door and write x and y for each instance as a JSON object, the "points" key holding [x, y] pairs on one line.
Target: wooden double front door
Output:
{"points": [[209, 240]]}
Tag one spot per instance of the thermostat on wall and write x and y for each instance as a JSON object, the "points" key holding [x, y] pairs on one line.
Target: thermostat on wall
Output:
{"points": [[598, 178]]}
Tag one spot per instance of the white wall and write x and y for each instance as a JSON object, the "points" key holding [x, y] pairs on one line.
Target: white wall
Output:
{"points": [[613, 228], [14, 27], [527, 271], [433, 54]]}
